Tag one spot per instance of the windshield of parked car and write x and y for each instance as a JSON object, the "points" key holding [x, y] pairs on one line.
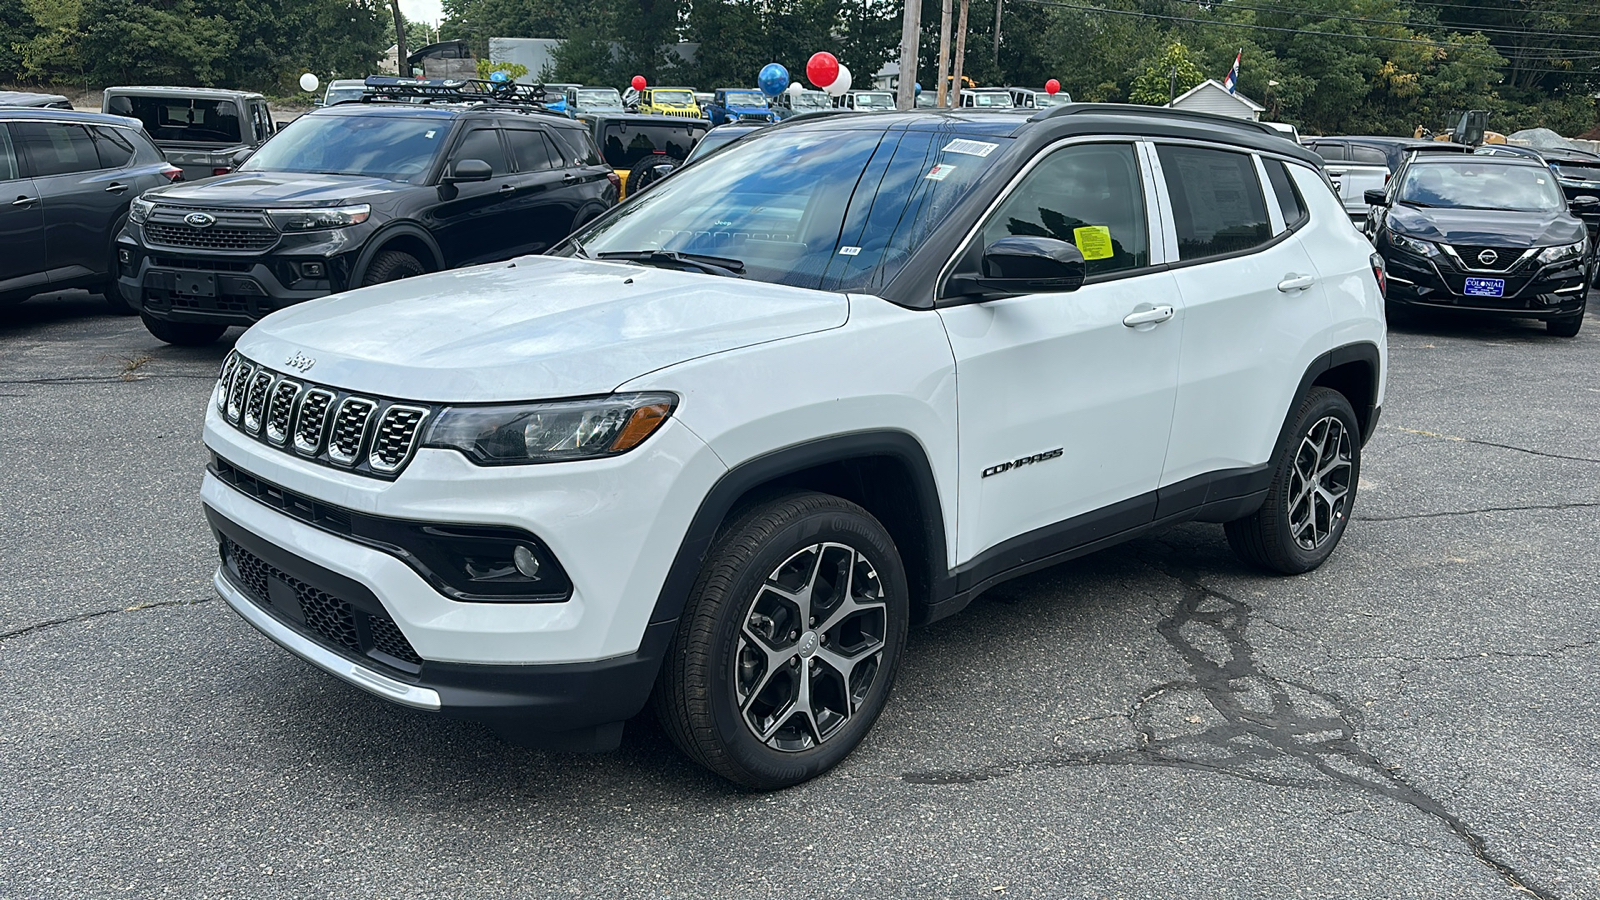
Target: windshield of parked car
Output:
{"points": [[1471, 184], [828, 208], [992, 100], [717, 137], [398, 148], [599, 97], [182, 118], [808, 100], [672, 97], [875, 100], [340, 95], [1043, 100], [746, 98]]}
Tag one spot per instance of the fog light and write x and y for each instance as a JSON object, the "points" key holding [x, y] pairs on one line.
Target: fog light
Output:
{"points": [[525, 561], [312, 270], [124, 255]]}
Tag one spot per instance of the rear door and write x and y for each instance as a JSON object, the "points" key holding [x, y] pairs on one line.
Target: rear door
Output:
{"points": [[472, 223], [81, 197], [22, 262], [548, 195]]}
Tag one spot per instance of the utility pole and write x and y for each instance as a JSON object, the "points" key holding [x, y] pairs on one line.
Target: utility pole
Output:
{"points": [[961, 54], [998, 5], [403, 70], [944, 50], [910, 34]]}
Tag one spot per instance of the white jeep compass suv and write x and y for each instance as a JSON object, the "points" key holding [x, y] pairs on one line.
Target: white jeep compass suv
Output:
{"points": [[721, 449]]}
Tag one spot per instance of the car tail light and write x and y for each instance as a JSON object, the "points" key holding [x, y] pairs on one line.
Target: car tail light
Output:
{"points": [[1379, 273], [615, 179], [173, 173], [221, 170]]}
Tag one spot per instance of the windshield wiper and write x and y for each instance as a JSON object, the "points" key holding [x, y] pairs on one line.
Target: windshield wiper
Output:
{"points": [[668, 259]]}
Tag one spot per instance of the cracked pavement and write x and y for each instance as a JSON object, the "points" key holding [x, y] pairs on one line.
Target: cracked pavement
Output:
{"points": [[1414, 719]]}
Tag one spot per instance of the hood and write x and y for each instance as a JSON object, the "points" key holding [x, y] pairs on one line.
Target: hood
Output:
{"points": [[535, 328], [1486, 228], [258, 189]]}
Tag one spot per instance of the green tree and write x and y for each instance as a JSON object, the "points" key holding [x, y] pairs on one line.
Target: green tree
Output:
{"points": [[54, 49], [1169, 75]]}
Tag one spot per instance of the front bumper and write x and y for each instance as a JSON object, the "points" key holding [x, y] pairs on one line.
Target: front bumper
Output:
{"points": [[1530, 291]]}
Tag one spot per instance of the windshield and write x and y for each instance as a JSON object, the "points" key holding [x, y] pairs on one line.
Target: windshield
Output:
{"points": [[340, 95], [992, 100], [182, 118], [672, 97], [810, 100], [875, 100], [1472, 184], [715, 138], [399, 148], [1043, 100], [810, 207], [746, 98], [604, 97]]}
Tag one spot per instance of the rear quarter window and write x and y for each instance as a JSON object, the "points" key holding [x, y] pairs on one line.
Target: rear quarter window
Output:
{"points": [[1217, 203]]}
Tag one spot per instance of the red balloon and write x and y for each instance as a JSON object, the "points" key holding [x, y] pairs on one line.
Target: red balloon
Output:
{"points": [[1052, 86], [822, 69], [638, 82]]}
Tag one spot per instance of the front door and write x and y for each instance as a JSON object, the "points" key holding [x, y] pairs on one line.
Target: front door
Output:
{"points": [[22, 259], [1065, 405], [471, 222], [81, 200]]}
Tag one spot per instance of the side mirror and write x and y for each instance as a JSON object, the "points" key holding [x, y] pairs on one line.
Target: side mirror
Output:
{"points": [[238, 158], [468, 170], [1375, 197], [1024, 265], [1586, 205]]}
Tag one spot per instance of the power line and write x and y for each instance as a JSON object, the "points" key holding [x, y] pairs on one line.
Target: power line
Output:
{"points": [[1466, 29]]}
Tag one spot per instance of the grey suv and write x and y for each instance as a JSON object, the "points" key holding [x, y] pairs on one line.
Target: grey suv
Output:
{"points": [[66, 179]]}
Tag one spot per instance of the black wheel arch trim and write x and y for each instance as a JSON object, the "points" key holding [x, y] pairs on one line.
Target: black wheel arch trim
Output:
{"points": [[1362, 352], [380, 241]]}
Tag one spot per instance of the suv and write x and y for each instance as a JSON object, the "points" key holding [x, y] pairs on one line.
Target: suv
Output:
{"points": [[1356, 165], [738, 105], [1028, 98], [542, 494], [201, 130], [361, 193], [34, 101], [865, 101], [67, 179], [669, 101], [641, 148], [795, 103], [583, 100], [987, 98]]}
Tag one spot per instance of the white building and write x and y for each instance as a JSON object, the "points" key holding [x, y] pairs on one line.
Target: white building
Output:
{"points": [[1210, 96]]}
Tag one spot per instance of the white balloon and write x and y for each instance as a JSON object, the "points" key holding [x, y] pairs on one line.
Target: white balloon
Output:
{"points": [[841, 84], [308, 82], [795, 88]]}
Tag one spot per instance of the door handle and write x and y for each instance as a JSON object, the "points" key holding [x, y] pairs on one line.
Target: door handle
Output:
{"points": [[25, 201], [1296, 283], [1147, 316], [507, 189], [116, 188], [569, 178]]}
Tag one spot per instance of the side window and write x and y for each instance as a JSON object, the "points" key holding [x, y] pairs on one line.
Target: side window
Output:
{"points": [[9, 169], [1330, 152], [262, 119], [1368, 156], [484, 144], [55, 149], [114, 149], [1090, 196], [531, 150], [1217, 202], [1290, 203]]}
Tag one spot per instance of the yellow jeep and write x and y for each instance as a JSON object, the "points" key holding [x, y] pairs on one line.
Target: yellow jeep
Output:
{"points": [[669, 101]]}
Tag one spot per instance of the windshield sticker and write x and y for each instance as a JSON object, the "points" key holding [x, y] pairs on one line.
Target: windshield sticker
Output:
{"points": [[939, 172], [1094, 241], [849, 251], [970, 148], [428, 134]]}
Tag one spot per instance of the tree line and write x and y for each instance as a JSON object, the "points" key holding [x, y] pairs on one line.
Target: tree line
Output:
{"points": [[1328, 66]]}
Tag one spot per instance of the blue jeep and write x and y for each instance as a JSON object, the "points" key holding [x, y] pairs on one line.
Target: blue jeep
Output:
{"points": [[738, 104]]}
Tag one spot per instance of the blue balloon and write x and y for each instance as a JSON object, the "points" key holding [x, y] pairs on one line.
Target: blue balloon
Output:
{"points": [[498, 76], [918, 86], [773, 80]]}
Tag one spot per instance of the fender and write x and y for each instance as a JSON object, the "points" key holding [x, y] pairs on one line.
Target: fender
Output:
{"points": [[383, 236], [1362, 352], [753, 473]]}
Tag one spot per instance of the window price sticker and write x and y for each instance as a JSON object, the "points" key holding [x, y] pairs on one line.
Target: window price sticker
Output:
{"points": [[1094, 241], [970, 148], [939, 172]]}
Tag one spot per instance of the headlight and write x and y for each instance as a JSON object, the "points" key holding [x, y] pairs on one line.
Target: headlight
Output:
{"points": [[319, 219], [1565, 251], [139, 210], [1412, 245], [550, 432]]}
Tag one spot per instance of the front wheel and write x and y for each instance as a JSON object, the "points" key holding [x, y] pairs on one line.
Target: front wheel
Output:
{"points": [[391, 265], [789, 644], [183, 334], [1567, 326], [1316, 469]]}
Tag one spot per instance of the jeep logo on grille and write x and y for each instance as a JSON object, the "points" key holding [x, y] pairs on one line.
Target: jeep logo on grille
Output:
{"points": [[300, 361], [199, 220], [1488, 257]]}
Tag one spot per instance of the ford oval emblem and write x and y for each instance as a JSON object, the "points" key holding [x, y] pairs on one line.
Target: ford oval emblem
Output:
{"points": [[199, 220], [1488, 257]]}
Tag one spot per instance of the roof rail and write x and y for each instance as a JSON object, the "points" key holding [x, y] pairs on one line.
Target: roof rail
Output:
{"points": [[1160, 112], [506, 94]]}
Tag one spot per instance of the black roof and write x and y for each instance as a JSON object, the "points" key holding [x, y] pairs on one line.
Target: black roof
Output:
{"points": [[28, 98], [38, 113]]}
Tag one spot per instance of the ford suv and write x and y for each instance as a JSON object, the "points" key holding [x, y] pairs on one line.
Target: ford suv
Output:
{"points": [[718, 451]]}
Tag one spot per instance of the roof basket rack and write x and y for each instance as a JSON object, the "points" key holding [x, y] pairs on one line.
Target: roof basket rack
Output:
{"points": [[451, 90], [1167, 112]]}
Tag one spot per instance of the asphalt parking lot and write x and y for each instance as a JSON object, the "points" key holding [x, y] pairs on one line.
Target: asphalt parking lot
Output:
{"points": [[1418, 718]]}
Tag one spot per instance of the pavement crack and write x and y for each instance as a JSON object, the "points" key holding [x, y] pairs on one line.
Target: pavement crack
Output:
{"points": [[84, 617], [1481, 443], [1474, 512]]}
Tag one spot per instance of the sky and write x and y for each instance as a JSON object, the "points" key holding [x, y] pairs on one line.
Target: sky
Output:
{"points": [[422, 10]]}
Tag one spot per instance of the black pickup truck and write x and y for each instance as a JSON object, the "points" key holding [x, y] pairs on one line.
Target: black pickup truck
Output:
{"points": [[200, 130]]}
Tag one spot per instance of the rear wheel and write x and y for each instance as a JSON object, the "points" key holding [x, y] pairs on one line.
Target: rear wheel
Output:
{"points": [[183, 334], [650, 170], [391, 265], [787, 650], [1316, 469]]}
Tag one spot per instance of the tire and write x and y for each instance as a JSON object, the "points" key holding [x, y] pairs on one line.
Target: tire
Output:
{"points": [[183, 334], [721, 681], [1568, 326], [391, 265], [1298, 526], [650, 170]]}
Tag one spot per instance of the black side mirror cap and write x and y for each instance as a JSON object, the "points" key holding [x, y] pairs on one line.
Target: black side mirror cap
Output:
{"points": [[238, 158], [1024, 265], [468, 170], [1375, 197], [1586, 203]]}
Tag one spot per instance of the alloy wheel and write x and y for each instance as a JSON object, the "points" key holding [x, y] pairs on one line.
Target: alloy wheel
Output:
{"points": [[1319, 483]]}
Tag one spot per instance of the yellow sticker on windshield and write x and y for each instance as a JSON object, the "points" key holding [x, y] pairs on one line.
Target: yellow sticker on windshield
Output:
{"points": [[1094, 241]]}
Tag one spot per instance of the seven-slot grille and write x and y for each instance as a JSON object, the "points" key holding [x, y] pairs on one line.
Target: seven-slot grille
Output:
{"points": [[368, 435]]}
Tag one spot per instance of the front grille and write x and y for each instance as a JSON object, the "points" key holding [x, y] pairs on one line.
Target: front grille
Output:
{"points": [[368, 435], [1505, 258], [329, 619], [213, 238]]}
